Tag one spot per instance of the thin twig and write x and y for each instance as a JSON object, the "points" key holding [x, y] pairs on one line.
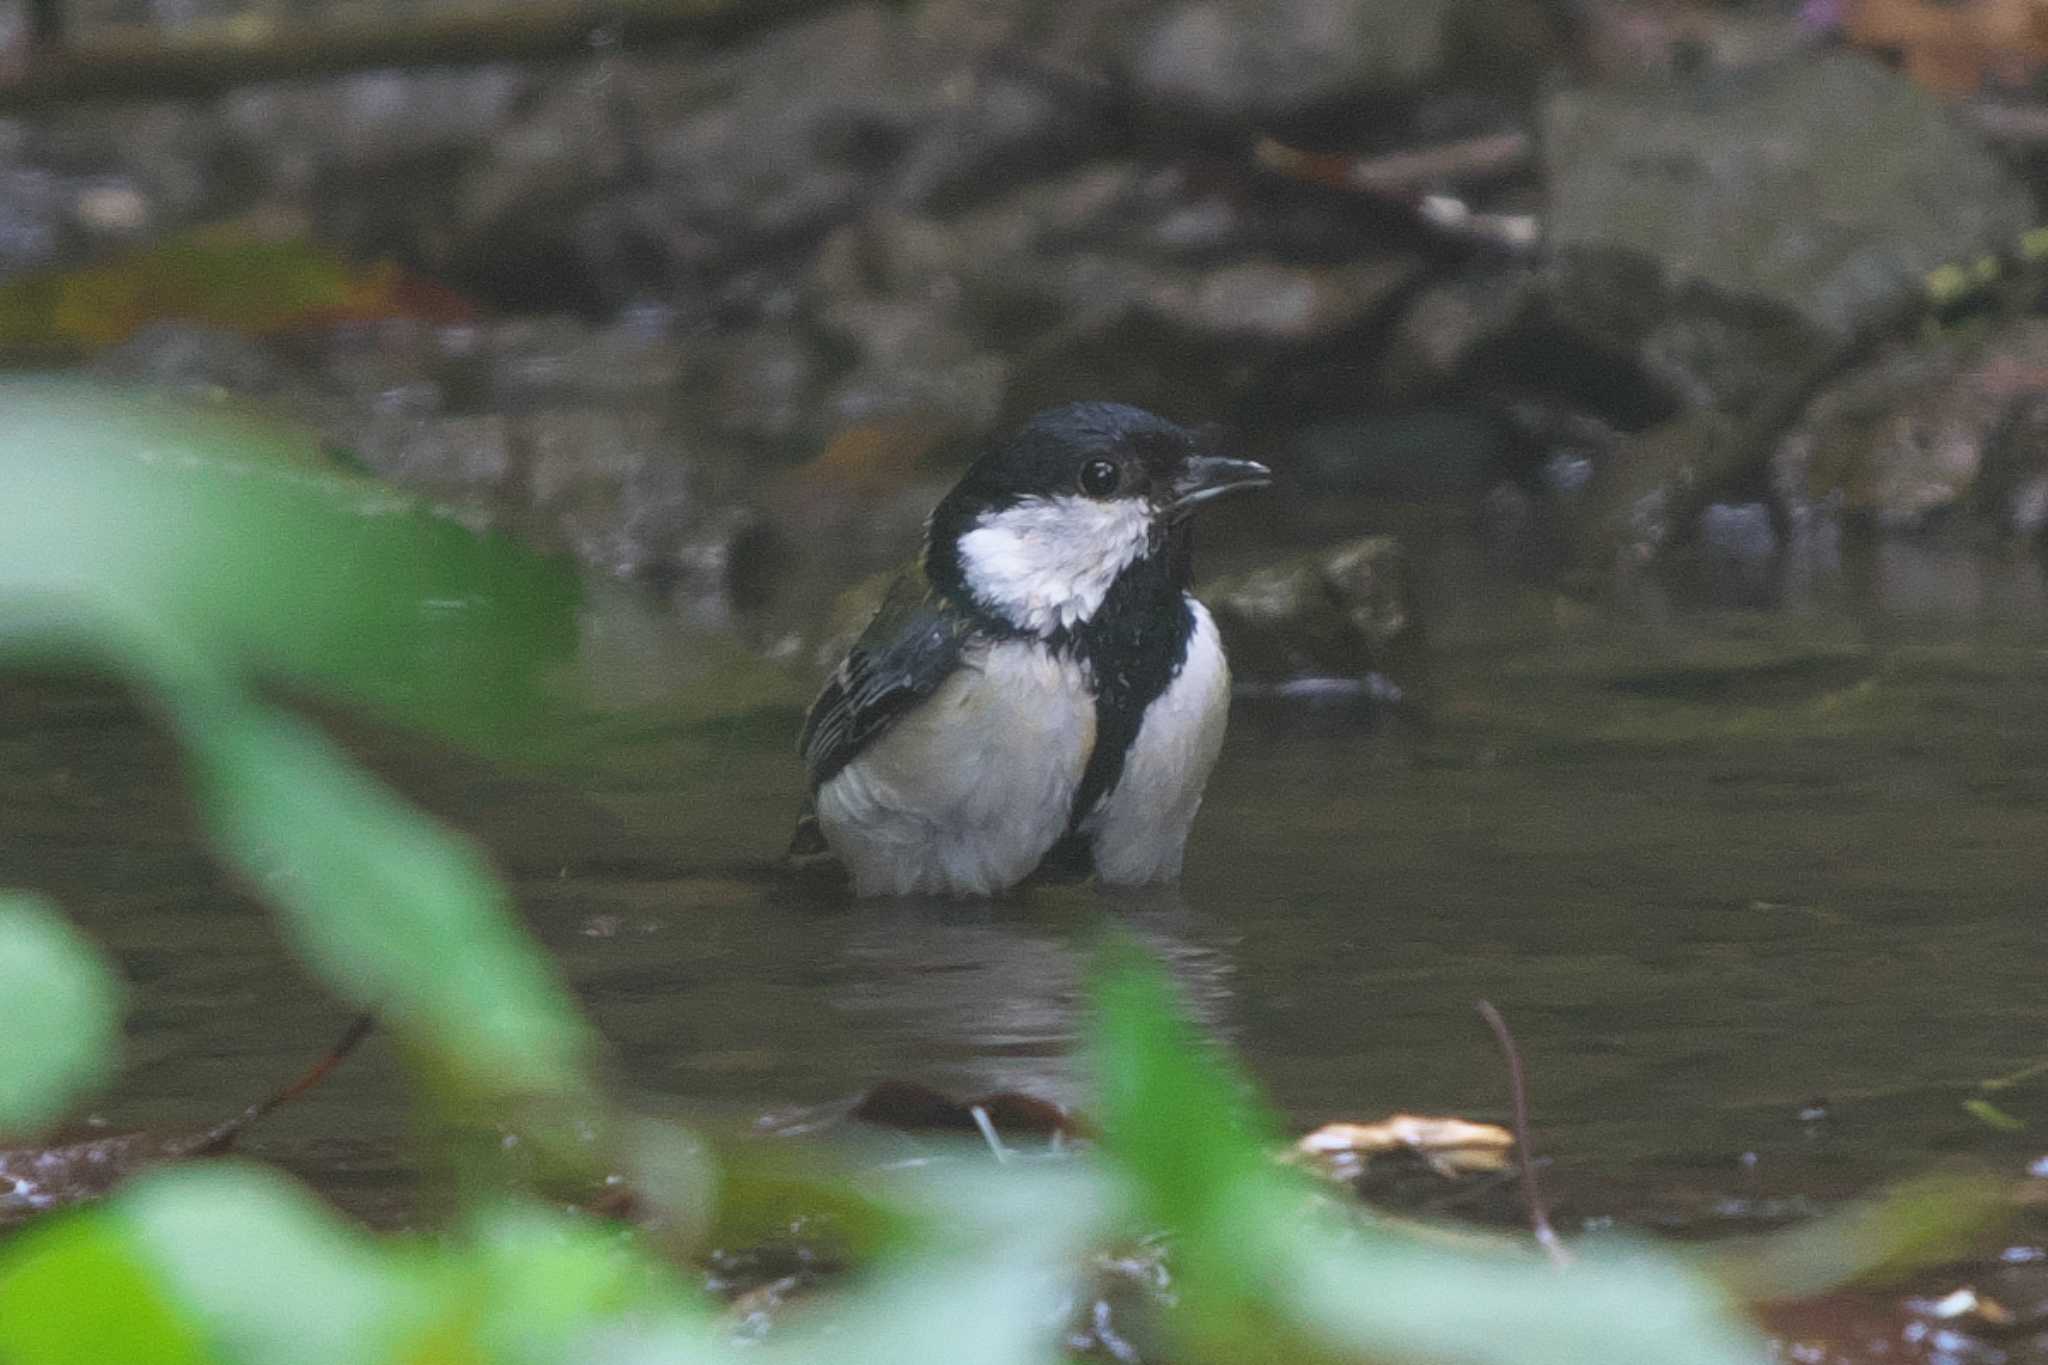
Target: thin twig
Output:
{"points": [[218, 1138], [1518, 1085], [1418, 171]]}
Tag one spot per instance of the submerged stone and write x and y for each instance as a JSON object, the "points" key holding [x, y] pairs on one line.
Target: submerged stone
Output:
{"points": [[1927, 427], [1345, 614]]}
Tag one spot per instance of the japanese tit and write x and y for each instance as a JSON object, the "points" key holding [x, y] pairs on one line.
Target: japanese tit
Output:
{"points": [[1040, 689]]}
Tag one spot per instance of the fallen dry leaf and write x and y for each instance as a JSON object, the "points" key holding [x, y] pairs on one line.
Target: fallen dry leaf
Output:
{"points": [[1452, 1146], [913, 1107]]}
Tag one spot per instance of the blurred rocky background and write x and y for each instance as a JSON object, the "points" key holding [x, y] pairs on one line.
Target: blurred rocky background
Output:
{"points": [[1626, 295]]}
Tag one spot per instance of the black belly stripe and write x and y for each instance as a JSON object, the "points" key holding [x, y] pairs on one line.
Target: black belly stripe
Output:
{"points": [[1134, 649]]}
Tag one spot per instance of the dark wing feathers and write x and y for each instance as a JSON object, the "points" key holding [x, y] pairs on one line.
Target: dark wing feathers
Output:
{"points": [[907, 650]]}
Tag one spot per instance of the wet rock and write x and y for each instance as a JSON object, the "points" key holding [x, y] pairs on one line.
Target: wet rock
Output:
{"points": [[103, 178], [996, 126], [1274, 303], [888, 254], [1684, 228], [1278, 302], [573, 141], [465, 459], [1927, 427], [623, 492], [915, 355], [535, 361], [960, 396], [1733, 556], [558, 431], [2014, 485], [1252, 61], [785, 134], [767, 384], [32, 219], [176, 157], [891, 332], [1064, 208], [678, 175], [364, 120], [1646, 496], [1344, 616], [1437, 334]]}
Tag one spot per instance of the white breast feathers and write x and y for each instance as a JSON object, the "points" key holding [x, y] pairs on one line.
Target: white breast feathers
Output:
{"points": [[964, 795]]}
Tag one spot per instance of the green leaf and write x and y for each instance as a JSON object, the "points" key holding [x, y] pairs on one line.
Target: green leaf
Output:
{"points": [[181, 546], [545, 1282], [1930, 1220], [75, 1291], [1264, 1269], [1174, 1113], [399, 916], [999, 1308], [1192, 1140], [59, 1015], [269, 1276], [1390, 1298], [987, 1280], [240, 536]]}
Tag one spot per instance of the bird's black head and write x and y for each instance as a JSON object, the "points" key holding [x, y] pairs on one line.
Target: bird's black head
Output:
{"points": [[1055, 511]]}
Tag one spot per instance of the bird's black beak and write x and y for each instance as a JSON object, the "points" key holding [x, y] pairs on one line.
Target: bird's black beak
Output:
{"points": [[1202, 477]]}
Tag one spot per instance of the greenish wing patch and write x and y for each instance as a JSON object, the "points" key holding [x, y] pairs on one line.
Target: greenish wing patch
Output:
{"points": [[911, 646]]}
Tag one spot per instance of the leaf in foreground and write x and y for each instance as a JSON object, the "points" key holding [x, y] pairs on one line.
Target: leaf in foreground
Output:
{"points": [[239, 535], [59, 1015], [1268, 1270], [75, 1291], [401, 917]]}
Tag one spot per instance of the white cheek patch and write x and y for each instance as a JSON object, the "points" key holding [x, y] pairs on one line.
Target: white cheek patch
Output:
{"points": [[1048, 562]]}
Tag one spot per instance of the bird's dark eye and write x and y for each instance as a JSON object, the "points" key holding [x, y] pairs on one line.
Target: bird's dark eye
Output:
{"points": [[1099, 478]]}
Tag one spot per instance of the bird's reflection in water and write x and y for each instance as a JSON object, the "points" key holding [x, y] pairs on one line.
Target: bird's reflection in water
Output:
{"points": [[994, 995]]}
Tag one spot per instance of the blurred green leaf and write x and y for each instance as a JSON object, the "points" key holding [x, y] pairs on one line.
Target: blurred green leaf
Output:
{"points": [[400, 917], [175, 545], [545, 1283], [988, 1278], [268, 1275], [1266, 1269], [59, 1015], [1391, 1298], [1928, 1221], [240, 536], [75, 1291], [1189, 1135], [1172, 1108], [1001, 1306]]}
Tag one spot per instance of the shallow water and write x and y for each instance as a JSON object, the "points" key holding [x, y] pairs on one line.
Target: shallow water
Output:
{"points": [[1713, 866]]}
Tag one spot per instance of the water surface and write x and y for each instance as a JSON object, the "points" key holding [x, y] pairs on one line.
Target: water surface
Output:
{"points": [[1714, 866]]}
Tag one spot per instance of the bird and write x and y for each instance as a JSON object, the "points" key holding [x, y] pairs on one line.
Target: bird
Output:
{"points": [[1039, 693]]}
